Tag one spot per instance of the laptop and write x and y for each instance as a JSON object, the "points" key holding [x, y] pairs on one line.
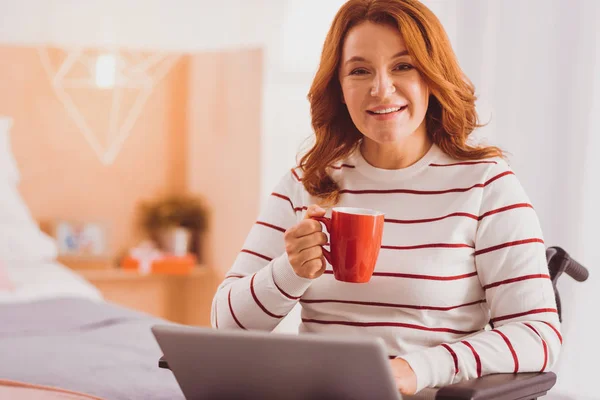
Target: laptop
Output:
{"points": [[219, 364]]}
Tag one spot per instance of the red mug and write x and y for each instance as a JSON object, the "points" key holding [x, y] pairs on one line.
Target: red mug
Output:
{"points": [[354, 239]]}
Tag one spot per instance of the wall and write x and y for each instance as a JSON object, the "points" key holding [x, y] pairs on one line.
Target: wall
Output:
{"points": [[278, 26], [224, 136], [187, 25], [199, 131], [61, 177]]}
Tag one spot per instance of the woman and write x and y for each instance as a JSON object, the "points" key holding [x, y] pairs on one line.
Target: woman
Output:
{"points": [[462, 245]]}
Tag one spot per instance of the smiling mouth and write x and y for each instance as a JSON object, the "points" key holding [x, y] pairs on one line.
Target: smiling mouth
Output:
{"points": [[388, 110]]}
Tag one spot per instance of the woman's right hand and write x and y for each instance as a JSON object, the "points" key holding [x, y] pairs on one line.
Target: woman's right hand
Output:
{"points": [[303, 245]]}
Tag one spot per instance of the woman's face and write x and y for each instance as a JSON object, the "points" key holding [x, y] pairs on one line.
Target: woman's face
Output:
{"points": [[386, 96]]}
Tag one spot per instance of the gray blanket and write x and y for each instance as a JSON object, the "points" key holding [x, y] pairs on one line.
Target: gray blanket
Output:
{"points": [[96, 348]]}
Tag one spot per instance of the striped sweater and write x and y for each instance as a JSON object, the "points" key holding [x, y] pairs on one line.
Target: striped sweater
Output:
{"points": [[461, 286]]}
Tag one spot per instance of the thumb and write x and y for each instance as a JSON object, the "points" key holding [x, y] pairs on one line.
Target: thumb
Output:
{"points": [[315, 211]]}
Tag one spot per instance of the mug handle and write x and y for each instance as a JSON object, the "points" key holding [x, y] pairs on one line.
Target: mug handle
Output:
{"points": [[327, 222]]}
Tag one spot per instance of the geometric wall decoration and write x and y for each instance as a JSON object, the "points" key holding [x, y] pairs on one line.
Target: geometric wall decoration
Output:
{"points": [[104, 92]]}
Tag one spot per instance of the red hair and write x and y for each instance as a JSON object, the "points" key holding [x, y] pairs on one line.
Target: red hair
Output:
{"points": [[451, 116]]}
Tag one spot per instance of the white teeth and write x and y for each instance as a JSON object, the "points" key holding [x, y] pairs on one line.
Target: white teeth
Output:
{"points": [[387, 110]]}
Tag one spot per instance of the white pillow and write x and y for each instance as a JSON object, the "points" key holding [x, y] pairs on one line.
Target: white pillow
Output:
{"points": [[26, 243], [20, 237], [45, 280]]}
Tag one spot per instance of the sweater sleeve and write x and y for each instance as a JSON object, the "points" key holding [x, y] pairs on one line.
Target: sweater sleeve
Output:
{"points": [[261, 287], [511, 265]]}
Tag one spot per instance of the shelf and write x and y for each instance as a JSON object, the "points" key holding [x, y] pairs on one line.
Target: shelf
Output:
{"points": [[185, 299]]}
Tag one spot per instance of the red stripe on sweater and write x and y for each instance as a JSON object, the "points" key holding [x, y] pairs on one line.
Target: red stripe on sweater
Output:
{"points": [[393, 324], [544, 345], [232, 313], [258, 303], [377, 304], [462, 163], [277, 228], [409, 191], [508, 244], [454, 357], [477, 359], [342, 166], [507, 208], [555, 331], [296, 209], [537, 311], [284, 198], [257, 254], [424, 277], [505, 173], [458, 214], [429, 246], [426, 192], [518, 279], [420, 221], [283, 292], [296, 175], [511, 348], [237, 276]]}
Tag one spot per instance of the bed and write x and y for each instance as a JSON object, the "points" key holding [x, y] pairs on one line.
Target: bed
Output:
{"points": [[65, 336], [58, 337]]}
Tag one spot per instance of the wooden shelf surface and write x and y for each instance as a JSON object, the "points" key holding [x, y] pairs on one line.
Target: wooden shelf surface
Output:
{"points": [[181, 298]]}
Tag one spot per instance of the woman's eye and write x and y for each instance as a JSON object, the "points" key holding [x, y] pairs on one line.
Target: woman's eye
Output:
{"points": [[403, 67], [358, 71]]}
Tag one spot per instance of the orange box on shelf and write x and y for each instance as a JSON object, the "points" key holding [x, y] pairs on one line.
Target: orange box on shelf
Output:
{"points": [[172, 265]]}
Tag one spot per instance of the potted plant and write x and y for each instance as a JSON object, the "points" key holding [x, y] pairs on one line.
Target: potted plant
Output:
{"points": [[175, 222]]}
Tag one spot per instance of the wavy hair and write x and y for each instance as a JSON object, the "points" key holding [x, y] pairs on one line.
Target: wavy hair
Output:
{"points": [[450, 118]]}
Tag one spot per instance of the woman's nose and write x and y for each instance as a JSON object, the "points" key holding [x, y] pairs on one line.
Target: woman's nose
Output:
{"points": [[382, 86]]}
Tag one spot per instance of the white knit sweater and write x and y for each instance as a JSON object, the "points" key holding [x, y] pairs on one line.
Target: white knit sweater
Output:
{"points": [[462, 247]]}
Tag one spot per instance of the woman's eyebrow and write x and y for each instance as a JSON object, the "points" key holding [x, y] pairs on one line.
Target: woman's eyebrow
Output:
{"points": [[361, 59]]}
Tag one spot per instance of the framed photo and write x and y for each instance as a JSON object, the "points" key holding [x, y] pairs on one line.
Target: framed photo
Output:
{"points": [[80, 239]]}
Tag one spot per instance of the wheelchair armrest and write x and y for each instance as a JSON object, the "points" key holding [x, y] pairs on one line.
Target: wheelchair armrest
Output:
{"points": [[521, 386], [162, 363]]}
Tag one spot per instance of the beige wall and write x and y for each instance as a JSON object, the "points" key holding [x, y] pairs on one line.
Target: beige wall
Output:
{"points": [[199, 130], [224, 146]]}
